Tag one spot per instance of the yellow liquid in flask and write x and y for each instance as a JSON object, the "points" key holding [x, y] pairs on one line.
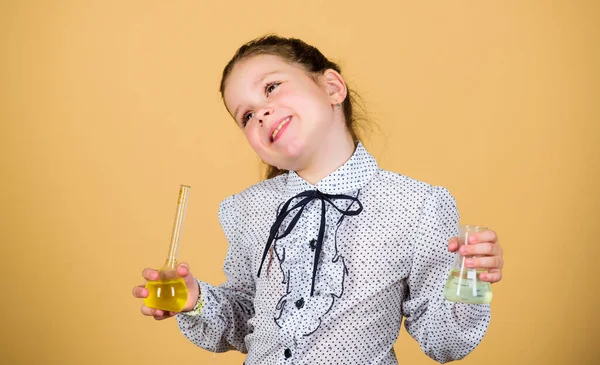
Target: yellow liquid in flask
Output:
{"points": [[168, 295]]}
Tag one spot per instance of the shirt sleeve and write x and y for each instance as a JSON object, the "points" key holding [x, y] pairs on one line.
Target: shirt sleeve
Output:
{"points": [[445, 330], [222, 323]]}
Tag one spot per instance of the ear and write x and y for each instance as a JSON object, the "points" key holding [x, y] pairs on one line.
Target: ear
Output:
{"points": [[335, 86]]}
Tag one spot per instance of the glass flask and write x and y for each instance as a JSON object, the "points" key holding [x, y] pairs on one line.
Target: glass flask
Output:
{"points": [[169, 292], [464, 284]]}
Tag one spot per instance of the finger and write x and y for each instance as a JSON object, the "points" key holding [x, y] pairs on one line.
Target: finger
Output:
{"points": [[453, 244], [150, 274], [164, 316], [159, 315], [484, 248], [156, 313], [485, 262], [147, 311], [484, 236], [140, 291], [492, 276], [183, 269]]}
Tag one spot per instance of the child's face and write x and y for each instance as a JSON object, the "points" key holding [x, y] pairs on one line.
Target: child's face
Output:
{"points": [[286, 115]]}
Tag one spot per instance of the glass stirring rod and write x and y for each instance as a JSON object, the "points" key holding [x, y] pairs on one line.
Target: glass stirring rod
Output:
{"points": [[169, 293]]}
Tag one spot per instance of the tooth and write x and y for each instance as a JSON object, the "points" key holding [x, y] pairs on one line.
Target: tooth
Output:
{"points": [[276, 131]]}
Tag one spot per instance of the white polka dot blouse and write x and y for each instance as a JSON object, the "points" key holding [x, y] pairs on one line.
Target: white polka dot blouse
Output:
{"points": [[324, 274]]}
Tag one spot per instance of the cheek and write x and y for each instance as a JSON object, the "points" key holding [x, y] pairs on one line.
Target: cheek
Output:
{"points": [[253, 138]]}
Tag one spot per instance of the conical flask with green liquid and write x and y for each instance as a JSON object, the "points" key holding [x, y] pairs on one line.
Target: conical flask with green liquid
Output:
{"points": [[464, 284]]}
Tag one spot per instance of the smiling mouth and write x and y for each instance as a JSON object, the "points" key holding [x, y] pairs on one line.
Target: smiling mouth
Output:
{"points": [[281, 125]]}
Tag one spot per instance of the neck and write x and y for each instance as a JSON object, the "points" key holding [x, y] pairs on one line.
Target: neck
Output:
{"points": [[329, 157]]}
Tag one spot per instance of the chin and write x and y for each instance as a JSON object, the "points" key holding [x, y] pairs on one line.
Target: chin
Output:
{"points": [[288, 157], [290, 163]]}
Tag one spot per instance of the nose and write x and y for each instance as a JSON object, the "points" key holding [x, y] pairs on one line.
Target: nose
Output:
{"points": [[264, 113]]}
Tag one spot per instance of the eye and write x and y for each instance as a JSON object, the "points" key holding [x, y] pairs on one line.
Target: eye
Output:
{"points": [[246, 118], [271, 86]]}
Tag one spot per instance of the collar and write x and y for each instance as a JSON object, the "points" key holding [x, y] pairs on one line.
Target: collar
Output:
{"points": [[352, 175]]}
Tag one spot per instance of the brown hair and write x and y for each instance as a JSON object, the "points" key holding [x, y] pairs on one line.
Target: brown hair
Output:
{"points": [[297, 52]]}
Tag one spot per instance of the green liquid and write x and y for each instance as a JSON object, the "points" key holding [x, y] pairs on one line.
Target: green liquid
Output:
{"points": [[168, 295], [467, 289]]}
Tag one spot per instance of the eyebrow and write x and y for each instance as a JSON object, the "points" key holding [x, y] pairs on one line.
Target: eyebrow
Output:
{"points": [[259, 81]]}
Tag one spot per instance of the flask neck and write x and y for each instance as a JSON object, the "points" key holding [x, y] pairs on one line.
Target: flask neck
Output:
{"points": [[170, 263], [177, 227]]}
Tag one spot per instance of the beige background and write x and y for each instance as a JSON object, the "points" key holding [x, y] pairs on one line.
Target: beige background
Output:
{"points": [[106, 107]]}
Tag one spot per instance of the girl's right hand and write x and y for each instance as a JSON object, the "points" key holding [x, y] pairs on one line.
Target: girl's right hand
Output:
{"points": [[183, 270]]}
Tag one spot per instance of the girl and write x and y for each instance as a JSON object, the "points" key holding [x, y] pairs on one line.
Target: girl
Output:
{"points": [[330, 252]]}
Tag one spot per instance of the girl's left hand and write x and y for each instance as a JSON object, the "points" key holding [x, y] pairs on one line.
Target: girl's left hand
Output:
{"points": [[486, 247]]}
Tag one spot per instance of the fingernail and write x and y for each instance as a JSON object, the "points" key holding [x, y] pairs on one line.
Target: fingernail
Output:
{"points": [[469, 262], [463, 250], [472, 239]]}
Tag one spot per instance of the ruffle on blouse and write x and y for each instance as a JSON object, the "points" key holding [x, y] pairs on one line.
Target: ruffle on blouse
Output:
{"points": [[298, 312]]}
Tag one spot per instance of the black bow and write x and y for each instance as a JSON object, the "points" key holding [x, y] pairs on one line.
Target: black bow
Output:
{"points": [[307, 197]]}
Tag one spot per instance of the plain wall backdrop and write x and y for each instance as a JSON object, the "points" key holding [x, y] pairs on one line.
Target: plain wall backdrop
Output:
{"points": [[106, 107]]}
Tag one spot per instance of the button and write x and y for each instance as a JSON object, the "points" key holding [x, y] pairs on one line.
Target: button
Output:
{"points": [[300, 303], [313, 244], [287, 353]]}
